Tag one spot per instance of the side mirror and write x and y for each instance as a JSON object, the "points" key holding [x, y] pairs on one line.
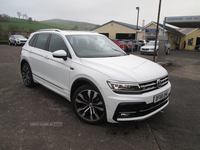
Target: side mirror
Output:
{"points": [[60, 54]]}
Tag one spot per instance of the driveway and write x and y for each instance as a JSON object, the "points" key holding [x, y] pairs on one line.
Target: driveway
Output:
{"points": [[37, 118]]}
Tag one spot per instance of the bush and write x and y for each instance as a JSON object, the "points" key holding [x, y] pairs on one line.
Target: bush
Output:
{"points": [[3, 41]]}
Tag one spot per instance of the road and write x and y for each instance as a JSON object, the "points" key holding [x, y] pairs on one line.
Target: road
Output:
{"points": [[37, 118]]}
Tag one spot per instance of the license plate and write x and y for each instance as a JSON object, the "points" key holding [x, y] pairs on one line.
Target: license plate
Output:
{"points": [[160, 96]]}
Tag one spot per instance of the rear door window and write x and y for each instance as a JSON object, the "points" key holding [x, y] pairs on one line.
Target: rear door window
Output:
{"points": [[31, 42], [42, 41]]}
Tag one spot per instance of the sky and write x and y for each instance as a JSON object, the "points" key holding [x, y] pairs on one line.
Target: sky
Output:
{"points": [[100, 11]]}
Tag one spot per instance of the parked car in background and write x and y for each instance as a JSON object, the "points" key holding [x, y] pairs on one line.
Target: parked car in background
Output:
{"points": [[102, 82], [17, 40], [197, 47], [149, 48], [137, 45], [120, 43], [129, 45], [144, 42]]}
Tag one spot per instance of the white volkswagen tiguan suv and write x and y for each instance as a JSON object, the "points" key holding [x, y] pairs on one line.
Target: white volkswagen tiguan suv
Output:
{"points": [[97, 76]]}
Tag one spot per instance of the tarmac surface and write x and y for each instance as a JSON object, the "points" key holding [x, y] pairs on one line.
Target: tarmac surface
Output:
{"points": [[37, 118]]}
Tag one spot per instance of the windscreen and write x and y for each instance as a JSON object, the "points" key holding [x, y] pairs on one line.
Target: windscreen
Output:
{"points": [[94, 46], [152, 43]]}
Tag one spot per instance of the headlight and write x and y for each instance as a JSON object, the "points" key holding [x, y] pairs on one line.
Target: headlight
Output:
{"points": [[124, 87]]}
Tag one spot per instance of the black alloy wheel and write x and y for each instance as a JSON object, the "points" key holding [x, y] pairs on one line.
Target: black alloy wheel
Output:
{"points": [[88, 105], [27, 75]]}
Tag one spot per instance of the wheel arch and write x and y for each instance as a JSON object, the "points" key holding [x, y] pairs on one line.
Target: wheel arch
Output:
{"points": [[79, 82], [22, 62]]}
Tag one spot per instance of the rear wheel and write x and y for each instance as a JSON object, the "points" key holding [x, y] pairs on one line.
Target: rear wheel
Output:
{"points": [[27, 75], [88, 105]]}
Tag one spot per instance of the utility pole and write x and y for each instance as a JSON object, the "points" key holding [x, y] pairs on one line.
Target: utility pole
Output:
{"points": [[138, 8], [157, 31], [137, 22]]}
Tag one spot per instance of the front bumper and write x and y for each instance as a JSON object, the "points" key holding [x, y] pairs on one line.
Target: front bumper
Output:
{"points": [[147, 51], [21, 42], [123, 107]]}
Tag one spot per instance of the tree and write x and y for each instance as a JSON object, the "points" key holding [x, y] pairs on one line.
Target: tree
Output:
{"points": [[30, 20], [19, 14], [3, 33], [25, 16], [75, 27], [1, 30], [6, 17]]}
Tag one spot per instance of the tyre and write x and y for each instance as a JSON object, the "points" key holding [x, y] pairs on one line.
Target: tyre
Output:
{"points": [[88, 105], [27, 75], [9, 43], [15, 43]]}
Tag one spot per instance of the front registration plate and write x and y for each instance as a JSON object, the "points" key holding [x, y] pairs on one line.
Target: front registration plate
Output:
{"points": [[160, 96]]}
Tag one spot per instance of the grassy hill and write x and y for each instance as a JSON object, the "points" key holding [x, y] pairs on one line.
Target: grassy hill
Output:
{"points": [[15, 24], [83, 25], [23, 24]]}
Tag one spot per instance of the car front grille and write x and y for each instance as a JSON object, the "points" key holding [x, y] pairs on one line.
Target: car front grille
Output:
{"points": [[22, 40], [145, 49], [150, 86]]}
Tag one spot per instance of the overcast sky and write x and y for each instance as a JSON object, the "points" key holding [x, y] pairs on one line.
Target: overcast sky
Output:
{"points": [[100, 11]]}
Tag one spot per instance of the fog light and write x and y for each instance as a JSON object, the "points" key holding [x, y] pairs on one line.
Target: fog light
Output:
{"points": [[125, 114]]}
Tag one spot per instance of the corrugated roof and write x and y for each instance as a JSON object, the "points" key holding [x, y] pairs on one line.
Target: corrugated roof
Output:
{"points": [[171, 30], [187, 31], [120, 23]]}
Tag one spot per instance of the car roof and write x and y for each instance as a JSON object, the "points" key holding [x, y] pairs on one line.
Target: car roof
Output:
{"points": [[68, 32], [17, 35]]}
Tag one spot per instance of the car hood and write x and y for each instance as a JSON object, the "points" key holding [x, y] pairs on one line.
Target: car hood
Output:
{"points": [[21, 39], [126, 68], [149, 46]]}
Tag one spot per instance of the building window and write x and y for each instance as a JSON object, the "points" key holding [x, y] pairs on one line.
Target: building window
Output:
{"points": [[190, 41], [175, 39]]}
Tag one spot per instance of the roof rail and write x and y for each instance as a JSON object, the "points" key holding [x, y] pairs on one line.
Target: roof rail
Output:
{"points": [[58, 30]]}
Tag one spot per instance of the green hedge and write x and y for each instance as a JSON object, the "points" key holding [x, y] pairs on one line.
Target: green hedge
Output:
{"points": [[3, 41]]}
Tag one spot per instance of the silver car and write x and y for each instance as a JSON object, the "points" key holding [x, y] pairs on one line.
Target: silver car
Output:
{"points": [[17, 40], [149, 48]]}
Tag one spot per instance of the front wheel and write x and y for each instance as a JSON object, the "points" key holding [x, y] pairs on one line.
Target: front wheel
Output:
{"points": [[15, 43], [27, 75], [88, 105]]}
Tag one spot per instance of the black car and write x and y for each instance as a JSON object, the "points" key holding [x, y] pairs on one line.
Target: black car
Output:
{"points": [[197, 47]]}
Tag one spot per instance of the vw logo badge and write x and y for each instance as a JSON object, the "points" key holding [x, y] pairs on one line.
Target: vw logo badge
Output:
{"points": [[158, 82]]}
